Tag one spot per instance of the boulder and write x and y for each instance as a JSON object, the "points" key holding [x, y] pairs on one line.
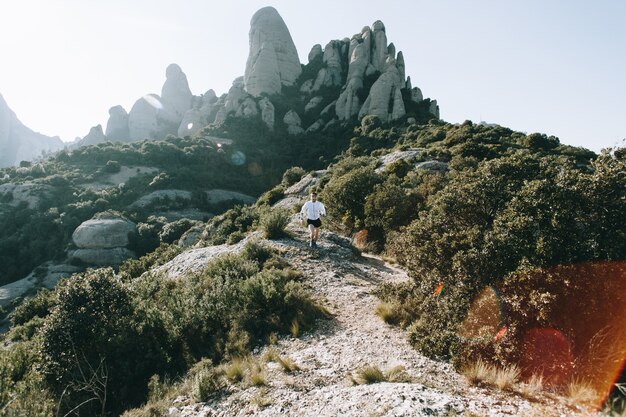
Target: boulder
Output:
{"points": [[30, 193], [273, 59], [313, 103], [102, 257], [293, 122], [103, 233], [433, 166], [117, 125]]}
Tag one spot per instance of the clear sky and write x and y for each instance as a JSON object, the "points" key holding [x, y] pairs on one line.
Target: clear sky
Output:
{"points": [[551, 66]]}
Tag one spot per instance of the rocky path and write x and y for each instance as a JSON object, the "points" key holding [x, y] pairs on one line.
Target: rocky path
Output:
{"points": [[354, 338]]}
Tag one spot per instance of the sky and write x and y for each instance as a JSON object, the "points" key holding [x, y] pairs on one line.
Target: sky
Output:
{"points": [[552, 66]]}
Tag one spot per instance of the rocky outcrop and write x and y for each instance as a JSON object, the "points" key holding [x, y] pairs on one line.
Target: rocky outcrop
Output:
{"points": [[273, 59], [29, 192], [293, 122], [202, 113], [95, 135], [175, 94], [316, 53], [102, 257], [142, 119], [117, 125], [385, 97], [19, 143]]}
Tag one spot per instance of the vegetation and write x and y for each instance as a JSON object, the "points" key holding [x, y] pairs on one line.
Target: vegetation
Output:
{"points": [[94, 344]]}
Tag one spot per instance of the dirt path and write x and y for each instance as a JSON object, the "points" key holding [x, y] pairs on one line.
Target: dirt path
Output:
{"points": [[353, 338]]}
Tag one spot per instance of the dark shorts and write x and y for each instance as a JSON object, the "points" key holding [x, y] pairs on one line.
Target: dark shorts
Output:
{"points": [[315, 223]]}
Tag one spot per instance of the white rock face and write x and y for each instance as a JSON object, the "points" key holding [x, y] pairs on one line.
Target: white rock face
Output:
{"points": [[103, 233], [117, 125], [19, 143], [193, 122], [293, 122], [267, 112], [95, 135], [175, 94], [273, 59], [142, 119], [379, 47], [386, 89], [247, 108], [434, 109]]}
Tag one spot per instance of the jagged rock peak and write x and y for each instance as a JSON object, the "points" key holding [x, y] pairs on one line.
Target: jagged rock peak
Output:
{"points": [[175, 94], [273, 59]]}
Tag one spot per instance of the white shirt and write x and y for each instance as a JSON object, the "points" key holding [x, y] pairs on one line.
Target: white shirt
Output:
{"points": [[313, 210]]}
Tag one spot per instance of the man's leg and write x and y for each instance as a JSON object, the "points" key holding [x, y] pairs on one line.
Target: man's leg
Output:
{"points": [[311, 234]]}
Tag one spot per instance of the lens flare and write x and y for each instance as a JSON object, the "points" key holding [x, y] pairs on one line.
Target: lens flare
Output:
{"points": [[238, 158], [153, 100], [438, 290], [189, 126], [565, 323]]}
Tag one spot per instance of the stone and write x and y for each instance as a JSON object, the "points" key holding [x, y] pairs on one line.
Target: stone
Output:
{"points": [[102, 257], [95, 135], [391, 50], [175, 94], [28, 192], [142, 119], [193, 122], [292, 119], [307, 86], [433, 166], [313, 103], [416, 95], [316, 53], [348, 103], [294, 130], [103, 233], [267, 112], [247, 108], [326, 110], [272, 59], [117, 125], [315, 126]]}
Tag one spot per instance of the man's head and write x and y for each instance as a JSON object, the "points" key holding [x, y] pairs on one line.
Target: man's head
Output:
{"points": [[313, 196]]}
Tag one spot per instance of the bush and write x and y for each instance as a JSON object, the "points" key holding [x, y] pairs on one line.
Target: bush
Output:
{"points": [[273, 223], [292, 176]]}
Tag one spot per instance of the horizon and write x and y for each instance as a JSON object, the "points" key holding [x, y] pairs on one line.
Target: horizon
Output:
{"points": [[554, 68]]}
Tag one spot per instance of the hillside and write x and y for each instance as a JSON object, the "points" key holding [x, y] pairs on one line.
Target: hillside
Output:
{"points": [[168, 286], [327, 381]]}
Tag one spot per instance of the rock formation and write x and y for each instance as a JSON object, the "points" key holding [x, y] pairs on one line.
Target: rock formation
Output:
{"points": [[117, 125], [19, 143], [95, 135], [175, 94], [103, 241], [267, 112], [385, 97], [292, 120], [273, 59], [142, 119]]}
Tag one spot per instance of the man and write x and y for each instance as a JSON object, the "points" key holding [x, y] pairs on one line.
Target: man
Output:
{"points": [[313, 210]]}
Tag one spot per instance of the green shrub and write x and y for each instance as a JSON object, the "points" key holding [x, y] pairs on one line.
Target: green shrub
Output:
{"points": [[273, 223], [292, 176]]}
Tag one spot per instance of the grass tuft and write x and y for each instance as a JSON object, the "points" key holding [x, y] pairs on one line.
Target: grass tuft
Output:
{"points": [[235, 371], [388, 313], [295, 328], [369, 375], [579, 392]]}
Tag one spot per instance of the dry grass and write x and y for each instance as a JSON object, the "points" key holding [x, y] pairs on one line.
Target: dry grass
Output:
{"points": [[505, 378], [532, 387], [478, 372], [257, 375], [369, 375], [287, 364], [579, 392], [235, 371], [388, 312], [481, 373], [295, 328], [260, 398], [372, 374], [270, 355]]}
